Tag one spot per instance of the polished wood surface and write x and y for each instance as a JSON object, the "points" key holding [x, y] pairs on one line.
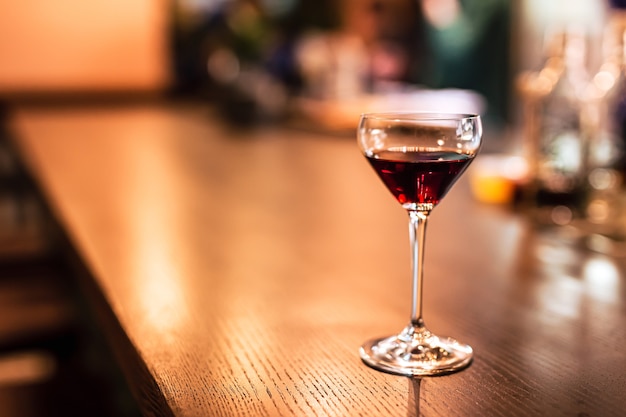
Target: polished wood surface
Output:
{"points": [[242, 269]]}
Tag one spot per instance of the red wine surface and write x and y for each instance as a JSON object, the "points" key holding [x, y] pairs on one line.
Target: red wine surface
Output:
{"points": [[419, 179]]}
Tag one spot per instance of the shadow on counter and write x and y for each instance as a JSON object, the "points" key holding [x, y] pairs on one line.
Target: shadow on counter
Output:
{"points": [[53, 361]]}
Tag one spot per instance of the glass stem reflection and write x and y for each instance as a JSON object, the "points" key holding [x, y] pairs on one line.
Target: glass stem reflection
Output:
{"points": [[417, 234]]}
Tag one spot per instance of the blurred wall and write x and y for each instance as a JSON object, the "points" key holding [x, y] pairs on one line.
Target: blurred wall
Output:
{"points": [[83, 46]]}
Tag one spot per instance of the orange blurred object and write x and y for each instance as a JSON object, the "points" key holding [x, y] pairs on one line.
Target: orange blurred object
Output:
{"points": [[495, 178]]}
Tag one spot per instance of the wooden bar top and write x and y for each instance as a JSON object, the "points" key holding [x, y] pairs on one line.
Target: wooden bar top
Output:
{"points": [[243, 268]]}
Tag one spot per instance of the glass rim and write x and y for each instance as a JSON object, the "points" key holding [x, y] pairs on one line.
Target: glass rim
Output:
{"points": [[418, 116]]}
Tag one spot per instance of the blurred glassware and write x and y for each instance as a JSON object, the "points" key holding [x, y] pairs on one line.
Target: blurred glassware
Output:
{"points": [[555, 136], [605, 114]]}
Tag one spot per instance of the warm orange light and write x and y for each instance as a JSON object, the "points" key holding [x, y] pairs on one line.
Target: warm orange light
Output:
{"points": [[83, 45]]}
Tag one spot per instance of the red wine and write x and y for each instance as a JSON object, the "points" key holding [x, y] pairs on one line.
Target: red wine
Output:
{"points": [[419, 180]]}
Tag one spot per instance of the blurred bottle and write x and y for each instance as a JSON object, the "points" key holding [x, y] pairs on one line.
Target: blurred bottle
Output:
{"points": [[556, 140], [221, 53], [606, 206]]}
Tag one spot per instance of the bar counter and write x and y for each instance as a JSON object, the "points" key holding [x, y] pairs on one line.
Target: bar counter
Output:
{"points": [[236, 272]]}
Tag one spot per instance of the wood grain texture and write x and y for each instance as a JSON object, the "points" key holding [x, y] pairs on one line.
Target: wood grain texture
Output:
{"points": [[243, 269]]}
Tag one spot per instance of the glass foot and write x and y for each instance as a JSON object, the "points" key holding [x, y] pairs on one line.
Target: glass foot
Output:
{"points": [[416, 352]]}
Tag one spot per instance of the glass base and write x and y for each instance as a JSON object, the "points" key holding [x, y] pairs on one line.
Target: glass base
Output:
{"points": [[416, 352]]}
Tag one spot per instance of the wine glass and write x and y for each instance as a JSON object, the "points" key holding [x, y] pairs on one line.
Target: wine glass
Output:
{"points": [[418, 156]]}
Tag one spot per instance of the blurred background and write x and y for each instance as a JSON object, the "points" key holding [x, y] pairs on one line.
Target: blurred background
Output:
{"points": [[349, 54]]}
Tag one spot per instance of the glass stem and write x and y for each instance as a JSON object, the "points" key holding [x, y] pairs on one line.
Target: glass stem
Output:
{"points": [[417, 234]]}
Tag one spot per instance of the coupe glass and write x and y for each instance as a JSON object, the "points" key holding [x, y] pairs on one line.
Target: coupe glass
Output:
{"points": [[418, 156]]}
